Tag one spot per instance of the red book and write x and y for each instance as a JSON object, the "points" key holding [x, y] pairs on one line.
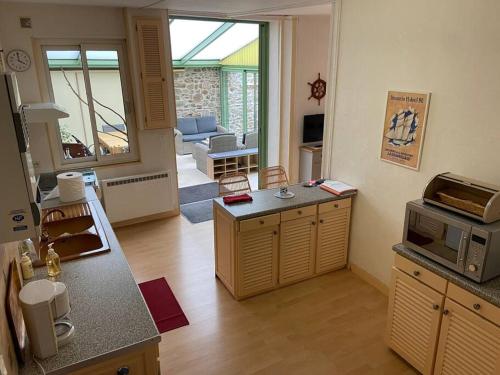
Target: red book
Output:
{"points": [[230, 199]]}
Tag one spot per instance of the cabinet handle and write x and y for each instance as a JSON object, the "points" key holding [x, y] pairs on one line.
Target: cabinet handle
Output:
{"points": [[275, 232], [122, 371], [446, 312], [435, 307], [321, 221], [476, 306], [313, 222], [261, 222], [299, 212], [416, 273], [336, 205]]}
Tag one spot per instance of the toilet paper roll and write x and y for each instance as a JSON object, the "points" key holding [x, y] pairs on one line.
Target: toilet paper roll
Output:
{"points": [[71, 186]]}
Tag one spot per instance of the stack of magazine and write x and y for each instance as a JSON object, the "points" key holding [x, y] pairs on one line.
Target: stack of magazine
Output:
{"points": [[337, 187]]}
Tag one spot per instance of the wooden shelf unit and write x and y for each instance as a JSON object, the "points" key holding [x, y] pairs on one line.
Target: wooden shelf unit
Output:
{"points": [[232, 161]]}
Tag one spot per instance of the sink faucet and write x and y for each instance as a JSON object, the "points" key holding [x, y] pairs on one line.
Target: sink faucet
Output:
{"points": [[51, 212], [45, 235]]}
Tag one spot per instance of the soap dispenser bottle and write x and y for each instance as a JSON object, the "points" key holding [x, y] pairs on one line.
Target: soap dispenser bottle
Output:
{"points": [[53, 262]]}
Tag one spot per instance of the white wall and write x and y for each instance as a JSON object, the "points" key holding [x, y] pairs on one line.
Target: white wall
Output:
{"points": [[310, 56], [156, 147], [448, 47]]}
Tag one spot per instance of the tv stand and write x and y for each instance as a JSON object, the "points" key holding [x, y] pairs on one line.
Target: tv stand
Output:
{"points": [[310, 162]]}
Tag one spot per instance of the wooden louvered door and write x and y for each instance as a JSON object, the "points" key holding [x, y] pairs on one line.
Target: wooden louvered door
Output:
{"points": [[333, 239], [297, 248], [468, 343], [257, 261], [153, 72], [413, 321]]}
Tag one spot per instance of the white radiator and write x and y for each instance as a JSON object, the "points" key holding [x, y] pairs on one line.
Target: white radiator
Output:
{"points": [[138, 196]]}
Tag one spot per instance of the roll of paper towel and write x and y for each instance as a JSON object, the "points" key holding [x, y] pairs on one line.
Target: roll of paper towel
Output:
{"points": [[71, 186]]}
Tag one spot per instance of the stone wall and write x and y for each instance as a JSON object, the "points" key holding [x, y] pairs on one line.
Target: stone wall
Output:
{"points": [[235, 102], [197, 92]]}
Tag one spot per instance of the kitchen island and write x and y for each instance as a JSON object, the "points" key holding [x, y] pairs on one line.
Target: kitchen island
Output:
{"points": [[271, 242], [114, 331]]}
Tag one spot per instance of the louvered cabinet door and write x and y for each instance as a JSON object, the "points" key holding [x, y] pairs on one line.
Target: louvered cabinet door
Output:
{"points": [[413, 321], [257, 260], [153, 72], [468, 343], [297, 248], [333, 240]]}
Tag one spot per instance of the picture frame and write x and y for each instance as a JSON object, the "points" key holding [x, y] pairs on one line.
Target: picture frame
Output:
{"points": [[404, 128]]}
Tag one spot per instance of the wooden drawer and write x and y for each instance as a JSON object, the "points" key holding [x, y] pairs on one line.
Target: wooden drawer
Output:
{"points": [[474, 303], [334, 205], [144, 362], [420, 273], [259, 222], [298, 213]]}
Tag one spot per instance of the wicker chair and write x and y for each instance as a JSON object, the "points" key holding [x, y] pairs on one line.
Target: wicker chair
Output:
{"points": [[234, 183], [273, 177]]}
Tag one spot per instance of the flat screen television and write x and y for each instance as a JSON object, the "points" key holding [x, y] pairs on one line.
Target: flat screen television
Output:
{"points": [[313, 128]]}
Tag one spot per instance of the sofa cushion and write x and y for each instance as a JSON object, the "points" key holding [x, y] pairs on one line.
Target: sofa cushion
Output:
{"points": [[206, 124], [197, 137], [187, 125]]}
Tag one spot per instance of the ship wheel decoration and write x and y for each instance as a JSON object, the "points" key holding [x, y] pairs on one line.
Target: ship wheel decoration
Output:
{"points": [[318, 89]]}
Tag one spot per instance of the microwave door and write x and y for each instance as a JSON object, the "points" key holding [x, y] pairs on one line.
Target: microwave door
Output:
{"points": [[437, 236]]}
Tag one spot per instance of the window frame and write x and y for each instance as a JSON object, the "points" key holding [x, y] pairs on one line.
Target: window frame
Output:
{"points": [[54, 132]]}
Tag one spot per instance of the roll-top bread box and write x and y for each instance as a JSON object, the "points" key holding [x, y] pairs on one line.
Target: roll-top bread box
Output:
{"points": [[475, 199]]}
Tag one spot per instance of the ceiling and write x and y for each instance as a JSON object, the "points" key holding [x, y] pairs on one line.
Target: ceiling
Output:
{"points": [[226, 8]]}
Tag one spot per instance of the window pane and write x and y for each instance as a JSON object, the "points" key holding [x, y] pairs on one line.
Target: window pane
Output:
{"points": [[106, 85], [252, 102], [235, 102], [187, 34], [232, 40], [68, 85]]}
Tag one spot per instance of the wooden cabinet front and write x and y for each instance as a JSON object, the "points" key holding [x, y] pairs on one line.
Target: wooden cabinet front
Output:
{"points": [[257, 260], [142, 362], [333, 237], [413, 321], [468, 344], [297, 248]]}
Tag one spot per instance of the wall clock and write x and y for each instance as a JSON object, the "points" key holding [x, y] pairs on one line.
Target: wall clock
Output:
{"points": [[318, 89], [18, 60]]}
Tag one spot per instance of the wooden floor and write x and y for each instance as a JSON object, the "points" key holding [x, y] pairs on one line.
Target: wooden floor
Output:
{"points": [[332, 324]]}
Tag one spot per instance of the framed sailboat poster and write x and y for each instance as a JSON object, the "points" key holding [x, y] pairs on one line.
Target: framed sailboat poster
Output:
{"points": [[404, 128]]}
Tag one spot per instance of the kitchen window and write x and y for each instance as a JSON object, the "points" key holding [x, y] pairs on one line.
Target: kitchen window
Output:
{"points": [[90, 82]]}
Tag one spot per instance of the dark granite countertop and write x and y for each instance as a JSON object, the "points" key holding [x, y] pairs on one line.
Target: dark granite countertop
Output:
{"points": [[265, 203], [108, 310], [489, 290]]}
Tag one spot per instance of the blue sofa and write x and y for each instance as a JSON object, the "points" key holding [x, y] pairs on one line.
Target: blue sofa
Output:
{"points": [[191, 130]]}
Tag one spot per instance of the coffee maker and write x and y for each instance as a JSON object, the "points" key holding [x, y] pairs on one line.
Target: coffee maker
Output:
{"points": [[45, 306]]}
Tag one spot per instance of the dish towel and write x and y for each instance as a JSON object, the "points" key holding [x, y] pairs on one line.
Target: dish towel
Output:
{"points": [[231, 199]]}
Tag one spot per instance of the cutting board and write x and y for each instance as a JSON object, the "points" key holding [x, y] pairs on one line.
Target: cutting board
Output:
{"points": [[14, 312]]}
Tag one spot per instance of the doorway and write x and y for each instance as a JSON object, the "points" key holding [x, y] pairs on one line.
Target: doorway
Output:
{"points": [[220, 90]]}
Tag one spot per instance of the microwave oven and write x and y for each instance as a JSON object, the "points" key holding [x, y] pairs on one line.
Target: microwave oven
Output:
{"points": [[466, 246]]}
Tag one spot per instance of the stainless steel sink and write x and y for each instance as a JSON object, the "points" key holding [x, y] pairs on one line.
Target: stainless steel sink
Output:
{"points": [[75, 232]]}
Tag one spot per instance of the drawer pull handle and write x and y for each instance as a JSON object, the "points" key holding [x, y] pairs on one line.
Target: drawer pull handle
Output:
{"points": [[313, 223], [476, 306], [261, 222], [122, 371], [299, 212], [446, 312], [275, 232], [321, 221], [416, 273], [435, 307], [336, 205]]}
